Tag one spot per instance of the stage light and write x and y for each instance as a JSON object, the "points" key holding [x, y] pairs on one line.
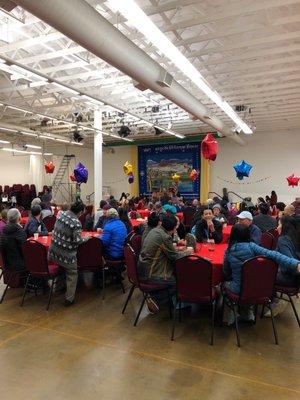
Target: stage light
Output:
{"points": [[124, 131], [78, 136]]}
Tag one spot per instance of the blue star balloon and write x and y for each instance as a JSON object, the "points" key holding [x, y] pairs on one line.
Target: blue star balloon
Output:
{"points": [[242, 169]]}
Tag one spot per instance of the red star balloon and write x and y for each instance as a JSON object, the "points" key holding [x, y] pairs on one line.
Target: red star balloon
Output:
{"points": [[193, 175], [209, 147], [49, 167], [293, 180]]}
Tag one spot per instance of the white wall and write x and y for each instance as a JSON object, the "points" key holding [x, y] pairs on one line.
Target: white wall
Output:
{"points": [[271, 154]]}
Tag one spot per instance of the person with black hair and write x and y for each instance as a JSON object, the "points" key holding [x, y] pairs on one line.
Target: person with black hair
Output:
{"points": [[99, 212], [263, 220], [66, 237], [153, 222], [208, 228], [158, 254], [123, 216], [35, 223]]}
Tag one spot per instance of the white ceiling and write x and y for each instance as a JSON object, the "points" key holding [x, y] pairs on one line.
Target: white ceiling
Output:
{"points": [[249, 51]]}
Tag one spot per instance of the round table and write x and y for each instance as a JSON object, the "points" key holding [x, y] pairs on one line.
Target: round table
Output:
{"points": [[226, 233], [216, 257]]}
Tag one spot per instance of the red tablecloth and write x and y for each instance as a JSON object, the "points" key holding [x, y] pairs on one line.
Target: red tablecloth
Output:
{"points": [[226, 233], [46, 240], [137, 222], [215, 257], [145, 214]]}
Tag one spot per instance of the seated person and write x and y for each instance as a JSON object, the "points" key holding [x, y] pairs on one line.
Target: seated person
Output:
{"points": [[157, 256], [246, 218], [12, 238], [218, 214], [99, 212], [289, 245], [153, 222], [46, 210], [289, 210], [208, 228], [113, 236], [103, 218], [170, 208], [159, 209], [240, 249], [264, 221], [35, 223], [3, 220]]}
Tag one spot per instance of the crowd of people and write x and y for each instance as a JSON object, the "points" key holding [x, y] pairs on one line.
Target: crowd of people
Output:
{"points": [[164, 236]]}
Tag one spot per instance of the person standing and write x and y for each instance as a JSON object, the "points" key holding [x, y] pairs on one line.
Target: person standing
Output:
{"points": [[66, 237]]}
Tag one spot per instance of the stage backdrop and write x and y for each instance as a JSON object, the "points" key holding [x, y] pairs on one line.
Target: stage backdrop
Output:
{"points": [[157, 164]]}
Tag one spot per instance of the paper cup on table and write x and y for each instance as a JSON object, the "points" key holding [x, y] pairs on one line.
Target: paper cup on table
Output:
{"points": [[35, 236]]}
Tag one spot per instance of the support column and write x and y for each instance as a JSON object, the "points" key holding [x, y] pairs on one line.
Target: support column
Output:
{"points": [[97, 158], [36, 170]]}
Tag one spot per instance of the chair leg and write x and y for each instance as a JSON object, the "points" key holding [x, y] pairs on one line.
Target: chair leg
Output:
{"points": [[1, 274], [170, 304], [273, 324], [255, 313], [50, 294], [234, 308], [213, 322], [262, 311], [140, 310], [128, 298], [174, 318], [179, 311], [103, 283], [25, 291], [122, 286], [6, 287], [295, 311]]}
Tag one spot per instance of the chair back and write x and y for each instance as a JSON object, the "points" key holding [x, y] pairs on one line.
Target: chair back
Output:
{"points": [[258, 280], [89, 253], [131, 260], [275, 234], [133, 215], [188, 215], [35, 258], [136, 244], [50, 222], [267, 240], [193, 279]]}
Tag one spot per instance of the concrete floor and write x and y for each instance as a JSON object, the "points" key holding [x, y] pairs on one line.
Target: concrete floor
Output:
{"points": [[91, 351]]}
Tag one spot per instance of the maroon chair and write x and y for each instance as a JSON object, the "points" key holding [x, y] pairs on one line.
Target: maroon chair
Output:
{"points": [[275, 234], [135, 242], [188, 215], [289, 291], [36, 263], [267, 240], [145, 288], [194, 284], [257, 288], [49, 222], [133, 214], [89, 257], [113, 266]]}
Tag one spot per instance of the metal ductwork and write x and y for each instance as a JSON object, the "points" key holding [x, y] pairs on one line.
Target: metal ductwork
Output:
{"points": [[84, 25]]}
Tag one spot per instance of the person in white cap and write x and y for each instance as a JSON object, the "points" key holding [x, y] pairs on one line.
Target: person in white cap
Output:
{"points": [[246, 218]]}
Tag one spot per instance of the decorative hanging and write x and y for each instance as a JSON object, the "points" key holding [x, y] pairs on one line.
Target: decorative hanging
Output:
{"points": [[244, 183], [176, 177], [293, 180], [193, 175], [209, 147], [49, 167], [130, 178], [242, 169], [127, 168], [81, 173]]}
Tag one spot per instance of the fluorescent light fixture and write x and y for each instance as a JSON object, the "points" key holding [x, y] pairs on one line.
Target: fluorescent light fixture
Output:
{"points": [[4, 141], [48, 154], [19, 109], [37, 84], [33, 146], [2, 128], [65, 88], [127, 140], [78, 144], [38, 153], [91, 99], [62, 140], [178, 135], [29, 134], [137, 18], [14, 150], [47, 137]]}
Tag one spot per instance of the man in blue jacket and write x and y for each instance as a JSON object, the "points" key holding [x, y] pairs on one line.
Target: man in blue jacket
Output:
{"points": [[113, 236], [35, 223], [246, 218]]}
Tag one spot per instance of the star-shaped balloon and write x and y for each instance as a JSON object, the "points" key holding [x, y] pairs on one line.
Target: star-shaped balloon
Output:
{"points": [[127, 168], [176, 178], [293, 180], [242, 169], [49, 167], [81, 173], [193, 175], [209, 147]]}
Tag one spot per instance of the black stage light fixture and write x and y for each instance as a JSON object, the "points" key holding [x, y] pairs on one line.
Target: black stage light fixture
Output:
{"points": [[158, 131], [78, 136], [124, 131]]}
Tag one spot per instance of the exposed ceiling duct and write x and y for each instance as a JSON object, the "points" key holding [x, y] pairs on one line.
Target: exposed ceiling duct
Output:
{"points": [[84, 25]]}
